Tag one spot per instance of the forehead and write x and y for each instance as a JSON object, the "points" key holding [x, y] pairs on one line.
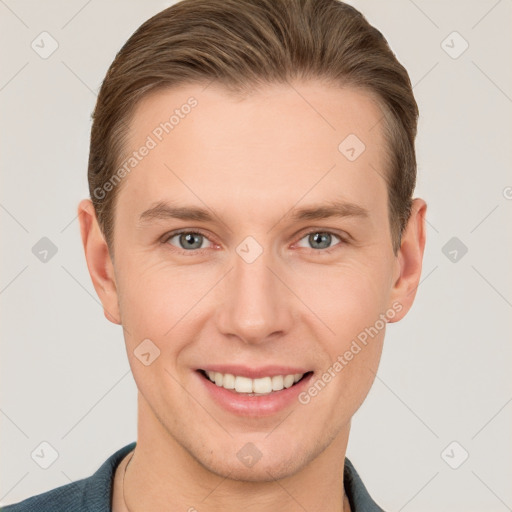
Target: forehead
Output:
{"points": [[279, 142]]}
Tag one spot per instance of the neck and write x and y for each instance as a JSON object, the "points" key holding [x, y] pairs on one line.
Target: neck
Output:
{"points": [[163, 476]]}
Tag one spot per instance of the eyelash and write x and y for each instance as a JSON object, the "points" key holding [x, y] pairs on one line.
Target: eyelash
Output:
{"points": [[193, 252]]}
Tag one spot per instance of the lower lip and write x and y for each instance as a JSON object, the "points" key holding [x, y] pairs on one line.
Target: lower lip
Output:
{"points": [[263, 405]]}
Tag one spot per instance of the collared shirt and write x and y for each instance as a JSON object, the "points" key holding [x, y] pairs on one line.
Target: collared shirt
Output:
{"points": [[94, 494]]}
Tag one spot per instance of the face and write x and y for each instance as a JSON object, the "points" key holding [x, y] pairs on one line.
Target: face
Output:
{"points": [[253, 248]]}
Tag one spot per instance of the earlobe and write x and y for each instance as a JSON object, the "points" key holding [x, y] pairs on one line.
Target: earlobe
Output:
{"points": [[410, 259], [98, 260]]}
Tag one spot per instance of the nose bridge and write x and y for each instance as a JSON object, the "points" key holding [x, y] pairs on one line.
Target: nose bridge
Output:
{"points": [[255, 305]]}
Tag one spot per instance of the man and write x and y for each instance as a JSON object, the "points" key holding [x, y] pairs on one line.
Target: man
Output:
{"points": [[251, 226]]}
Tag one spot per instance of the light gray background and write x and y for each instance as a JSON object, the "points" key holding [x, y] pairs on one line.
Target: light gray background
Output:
{"points": [[445, 370]]}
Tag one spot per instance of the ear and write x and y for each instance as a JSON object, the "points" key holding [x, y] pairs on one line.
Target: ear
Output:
{"points": [[98, 259], [409, 260]]}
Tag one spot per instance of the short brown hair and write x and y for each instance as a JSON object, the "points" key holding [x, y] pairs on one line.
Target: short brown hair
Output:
{"points": [[245, 43]]}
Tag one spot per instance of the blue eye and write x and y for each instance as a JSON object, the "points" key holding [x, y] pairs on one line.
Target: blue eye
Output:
{"points": [[188, 240], [320, 240]]}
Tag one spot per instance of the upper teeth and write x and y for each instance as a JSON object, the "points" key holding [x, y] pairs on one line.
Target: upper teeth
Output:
{"points": [[262, 386]]}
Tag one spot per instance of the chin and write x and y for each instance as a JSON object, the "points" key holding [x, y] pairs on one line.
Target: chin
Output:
{"points": [[244, 462], [262, 471]]}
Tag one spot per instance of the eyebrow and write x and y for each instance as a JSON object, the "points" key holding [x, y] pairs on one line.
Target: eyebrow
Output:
{"points": [[163, 211]]}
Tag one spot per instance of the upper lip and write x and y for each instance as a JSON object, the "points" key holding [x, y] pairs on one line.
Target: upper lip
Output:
{"points": [[254, 373]]}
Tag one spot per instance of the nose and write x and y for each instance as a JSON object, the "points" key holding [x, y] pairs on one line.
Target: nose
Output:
{"points": [[255, 306]]}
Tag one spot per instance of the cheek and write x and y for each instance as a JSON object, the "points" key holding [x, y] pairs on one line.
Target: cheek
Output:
{"points": [[358, 373], [156, 298], [157, 307], [347, 298], [350, 301]]}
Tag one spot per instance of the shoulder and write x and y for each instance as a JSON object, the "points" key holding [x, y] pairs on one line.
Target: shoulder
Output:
{"points": [[358, 496], [89, 494], [66, 497]]}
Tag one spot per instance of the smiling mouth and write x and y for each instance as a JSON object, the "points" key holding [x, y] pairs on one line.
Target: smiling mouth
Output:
{"points": [[253, 387]]}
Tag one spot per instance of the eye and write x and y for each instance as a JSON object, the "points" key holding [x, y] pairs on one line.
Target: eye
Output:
{"points": [[186, 240], [320, 240], [189, 242]]}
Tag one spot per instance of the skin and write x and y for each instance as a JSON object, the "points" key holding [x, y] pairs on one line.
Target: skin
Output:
{"points": [[251, 160]]}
